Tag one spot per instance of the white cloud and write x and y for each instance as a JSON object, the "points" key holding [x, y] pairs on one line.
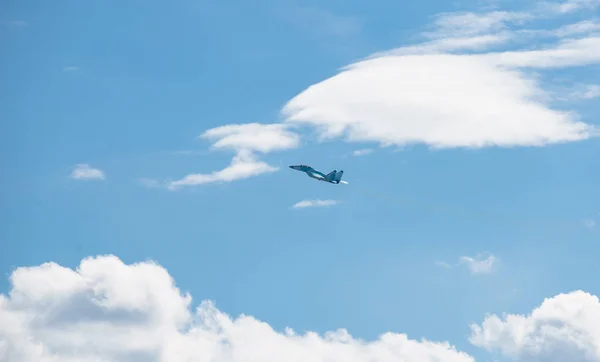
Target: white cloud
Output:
{"points": [[569, 6], [592, 91], [427, 93], [568, 53], [456, 43], [243, 166], [246, 140], [478, 264], [464, 31], [467, 24], [106, 310], [443, 264], [577, 92], [84, 171], [582, 27], [440, 100], [314, 203], [563, 328], [252, 137], [362, 152]]}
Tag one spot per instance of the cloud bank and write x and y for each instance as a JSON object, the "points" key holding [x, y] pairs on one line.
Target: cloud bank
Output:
{"points": [[106, 310], [314, 203]]}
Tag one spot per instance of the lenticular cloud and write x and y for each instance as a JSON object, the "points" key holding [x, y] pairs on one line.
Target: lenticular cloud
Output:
{"points": [[106, 310], [442, 100]]}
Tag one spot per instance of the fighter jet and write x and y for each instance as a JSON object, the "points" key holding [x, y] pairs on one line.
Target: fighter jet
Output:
{"points": [[333, 177]]}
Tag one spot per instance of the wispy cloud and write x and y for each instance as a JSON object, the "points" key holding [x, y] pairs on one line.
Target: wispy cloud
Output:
{"points": [[84, 171], [589, 223], [314, 203], [246, 140], [479, 264], [242, 166], [582, 27], [592, 91], [468, 24], [578, 92], [362, 152], [568, 6], [443, 264]]}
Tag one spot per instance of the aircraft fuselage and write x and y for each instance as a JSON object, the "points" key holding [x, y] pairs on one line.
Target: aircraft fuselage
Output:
{"points": [[312, 173]]}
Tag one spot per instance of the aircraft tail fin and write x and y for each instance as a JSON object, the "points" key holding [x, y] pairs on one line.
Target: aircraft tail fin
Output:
{"points": [[331, 176], [338, 176]]}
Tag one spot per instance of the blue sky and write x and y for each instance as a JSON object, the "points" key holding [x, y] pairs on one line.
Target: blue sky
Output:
{"points": [[476, 191]]}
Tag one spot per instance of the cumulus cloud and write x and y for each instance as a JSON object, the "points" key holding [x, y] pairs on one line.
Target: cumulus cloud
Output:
{"points": [[246, 140], [314, 203], [84, 171], [563, 328], [105, 310], [451, 90]]}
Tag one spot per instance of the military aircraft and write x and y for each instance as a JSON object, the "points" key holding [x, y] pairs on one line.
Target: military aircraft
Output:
{"points": [[333, 177]]}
